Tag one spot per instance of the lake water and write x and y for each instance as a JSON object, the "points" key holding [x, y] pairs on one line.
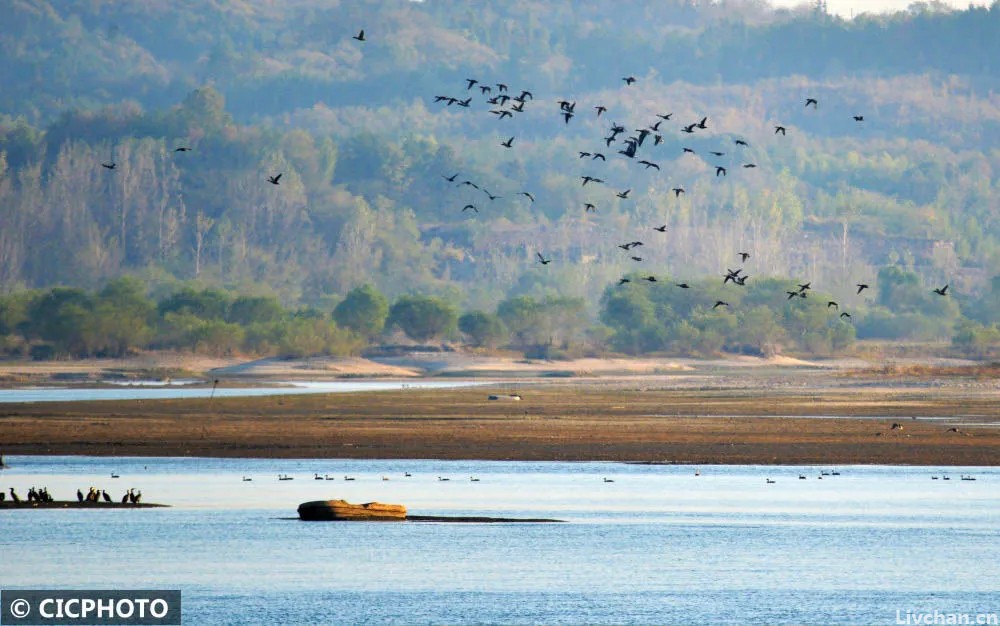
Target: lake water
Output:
{"points": [[658, 545], [146, 391]]}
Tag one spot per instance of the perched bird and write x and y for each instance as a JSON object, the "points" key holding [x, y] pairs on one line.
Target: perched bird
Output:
{"points": [[274, 179], [812, 101], [542, 259], [943, 291], [861, 287], [719, 303], [360, 36], [779, 129], [662, 229]]}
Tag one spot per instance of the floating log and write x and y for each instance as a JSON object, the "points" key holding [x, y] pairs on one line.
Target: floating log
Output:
{"points": [[73, 504], [341, 510]]}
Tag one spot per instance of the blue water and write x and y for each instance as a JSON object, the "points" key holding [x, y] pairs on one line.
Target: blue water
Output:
{"points": [[658, 545], [63, 394]]}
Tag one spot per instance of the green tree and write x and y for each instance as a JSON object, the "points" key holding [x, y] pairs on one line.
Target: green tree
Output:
{"points": [[484, 329], [247, 310], [423, 317], [364, 311]]}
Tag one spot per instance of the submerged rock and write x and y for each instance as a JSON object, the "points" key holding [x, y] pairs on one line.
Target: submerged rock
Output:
{"points": [[335, 510]]}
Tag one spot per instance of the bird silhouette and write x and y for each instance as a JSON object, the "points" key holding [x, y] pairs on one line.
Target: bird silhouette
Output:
{"points": [[719, 303], [703, 124], [741, 142], [720, 171], [805, 287], [792, 294], [274, 179], [542, 259], [468, 183], [651, 279], [471, 82], [664, 117], [812, 101], [662, 229], [623, 194], [744, 256], [650, 164], [629, 80], [589, 207], [598, 155], [585, 154], [636, 258], [502, 87], [508, 144], [600, 110], [567, 116], [718, 154], [683, 285], [859, 118], [360, 36], [861, 287], [528, 195], [943, 291], [845, 316], [182, 149], [470, 206], [678, 191], [502, 113], [590, 179], [491, 196], [451, 178], [689, 151], [833, 304], [779, 129], [689, 128], [749, 166], [622, 281], [112, 165]]}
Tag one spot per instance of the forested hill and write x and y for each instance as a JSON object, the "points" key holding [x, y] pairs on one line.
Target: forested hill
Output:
{"points": [[892, 174]]}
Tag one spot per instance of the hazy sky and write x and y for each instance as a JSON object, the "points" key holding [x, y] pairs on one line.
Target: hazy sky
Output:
{"points": [[844, 7]]}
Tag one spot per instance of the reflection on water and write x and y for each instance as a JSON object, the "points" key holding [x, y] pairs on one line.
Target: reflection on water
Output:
{"points": [[657, 545], [177, 392]]}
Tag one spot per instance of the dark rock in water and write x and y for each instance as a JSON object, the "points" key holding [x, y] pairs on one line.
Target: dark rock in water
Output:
{"points": [[341, 510]]}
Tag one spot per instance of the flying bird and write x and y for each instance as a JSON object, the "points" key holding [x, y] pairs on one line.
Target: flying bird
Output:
{"points": [[740, 142], [845, 315], [677, 191], [451, 178], [622, 281], [719, 303], [508, 144], [833, 304], [683, 285], [636, 258], [689, 150], [590, 179], [589, 207], [859, 118], [623, 194], [650, 164], [109, 166], [662, 229], [665, 117], [629, 80], [274, 179], [703, 123], [360, 36], [182, 149], [718, 154], [779, 129], [471, 82], [491, 196], [861, 287], [744, 256], [651, 279], [600, 109], [805, 287], [470, 206], [812, 101], [542, 259], [943, 291], [719, 171], [528, 196], [749, 166]]}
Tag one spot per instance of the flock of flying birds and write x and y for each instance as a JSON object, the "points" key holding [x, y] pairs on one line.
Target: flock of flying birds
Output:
{"points": [[505, 105]]}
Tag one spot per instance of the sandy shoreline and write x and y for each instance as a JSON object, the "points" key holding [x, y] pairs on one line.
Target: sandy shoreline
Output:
{"points": [[785, 418]]}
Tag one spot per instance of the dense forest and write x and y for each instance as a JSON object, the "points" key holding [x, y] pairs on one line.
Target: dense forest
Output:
{"points": [[137, 140]]}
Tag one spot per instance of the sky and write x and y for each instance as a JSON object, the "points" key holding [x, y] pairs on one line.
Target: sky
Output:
{"points": [[845, 7]]}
